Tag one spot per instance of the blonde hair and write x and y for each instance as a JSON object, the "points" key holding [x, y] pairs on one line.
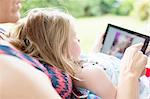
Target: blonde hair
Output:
{"points": [[45, 34]]}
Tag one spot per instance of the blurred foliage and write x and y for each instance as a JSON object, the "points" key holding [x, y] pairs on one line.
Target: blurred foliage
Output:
{"points": [[142, 9], [106, 6], [77, 8], [83, 8], [124, 7], [29, 4]]}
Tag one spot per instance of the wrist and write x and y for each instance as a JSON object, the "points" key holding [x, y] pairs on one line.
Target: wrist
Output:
{"points": [[128, 86], [129, 75]]}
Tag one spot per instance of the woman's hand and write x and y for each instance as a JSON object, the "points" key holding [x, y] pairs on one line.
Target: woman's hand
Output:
{"points": [[133, 61]]}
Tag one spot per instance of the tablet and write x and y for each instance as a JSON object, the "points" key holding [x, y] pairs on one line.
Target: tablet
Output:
{"points": [[117, 39]]}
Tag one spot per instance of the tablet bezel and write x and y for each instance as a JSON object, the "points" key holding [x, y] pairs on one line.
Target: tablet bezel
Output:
{"points": [[146, 37]]}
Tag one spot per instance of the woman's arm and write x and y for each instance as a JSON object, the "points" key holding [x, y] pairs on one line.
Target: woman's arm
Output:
{"points": [[95, 79], [19, 80]]}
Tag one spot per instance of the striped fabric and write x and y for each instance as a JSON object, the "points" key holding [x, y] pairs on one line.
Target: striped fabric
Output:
{"points": [[60, 80]]}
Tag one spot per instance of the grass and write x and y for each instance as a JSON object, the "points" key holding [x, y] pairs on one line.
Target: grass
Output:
{"points": [[89, 29]]}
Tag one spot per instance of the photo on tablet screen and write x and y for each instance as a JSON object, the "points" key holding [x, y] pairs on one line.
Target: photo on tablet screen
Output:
{"points": [[117, 39]]}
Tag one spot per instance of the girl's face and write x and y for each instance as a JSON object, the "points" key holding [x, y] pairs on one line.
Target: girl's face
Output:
{"points": [[75, 49]]}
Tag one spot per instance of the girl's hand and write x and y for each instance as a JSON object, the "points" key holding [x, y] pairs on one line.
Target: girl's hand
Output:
{"points": [[133, 61]]}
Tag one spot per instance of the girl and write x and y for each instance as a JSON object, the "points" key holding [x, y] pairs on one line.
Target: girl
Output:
{"points": [[17, 72], [50, 37]]}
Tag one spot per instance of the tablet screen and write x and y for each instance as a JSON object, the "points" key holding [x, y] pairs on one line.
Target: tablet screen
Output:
{"points": [[117, 39]]}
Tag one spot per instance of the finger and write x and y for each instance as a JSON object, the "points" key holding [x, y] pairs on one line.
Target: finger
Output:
{"points": [[145, 59], [148, 50], [144, 72], [138, 46], [139, 54], [130, 51]]}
